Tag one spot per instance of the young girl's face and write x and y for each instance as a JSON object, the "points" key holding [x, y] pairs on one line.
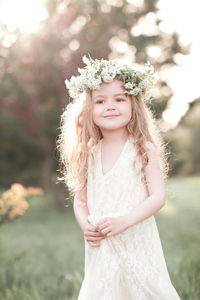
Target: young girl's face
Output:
{"points": [[111, 109]]}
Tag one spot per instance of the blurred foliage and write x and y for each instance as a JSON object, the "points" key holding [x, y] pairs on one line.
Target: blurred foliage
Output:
{"points": [[33, 69], [184, 142], [13, 202]]}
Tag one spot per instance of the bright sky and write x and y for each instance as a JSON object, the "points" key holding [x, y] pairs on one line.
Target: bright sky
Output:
{"points": [[180, 16], [22, 14]]}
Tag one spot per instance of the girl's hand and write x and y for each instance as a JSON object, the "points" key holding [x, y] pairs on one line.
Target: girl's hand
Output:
{"points": [[113, 226], [92, 235]]}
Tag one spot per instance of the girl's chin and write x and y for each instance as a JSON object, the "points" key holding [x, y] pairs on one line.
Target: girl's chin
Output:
{"points": [[108, 128]]}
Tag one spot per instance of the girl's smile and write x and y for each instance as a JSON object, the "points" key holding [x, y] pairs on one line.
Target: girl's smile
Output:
{"points": [[111, 116]]}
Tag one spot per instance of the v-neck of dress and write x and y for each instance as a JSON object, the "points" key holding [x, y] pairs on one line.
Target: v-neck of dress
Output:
{"points": [[115, 163]]}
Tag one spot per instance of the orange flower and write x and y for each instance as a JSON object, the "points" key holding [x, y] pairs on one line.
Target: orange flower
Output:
{"points": [[13, 202]]}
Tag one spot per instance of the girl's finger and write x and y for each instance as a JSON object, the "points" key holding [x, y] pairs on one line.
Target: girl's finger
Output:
{"points": [[106, 230], [92, 229], [109, 234], [91, 233], [104, 225], [93, 239]]}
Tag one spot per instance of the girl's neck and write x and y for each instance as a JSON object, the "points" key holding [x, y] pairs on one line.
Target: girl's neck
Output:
{"points": [[111, 137]]}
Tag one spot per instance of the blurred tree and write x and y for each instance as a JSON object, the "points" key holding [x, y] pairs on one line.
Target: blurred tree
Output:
{"points": [[184, 142], [33, 69]]}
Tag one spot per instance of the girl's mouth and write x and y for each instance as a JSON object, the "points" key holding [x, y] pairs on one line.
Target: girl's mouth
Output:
{"points": [[111, 116]]}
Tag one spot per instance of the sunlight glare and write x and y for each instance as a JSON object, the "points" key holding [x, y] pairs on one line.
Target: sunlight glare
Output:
{"points": [[154, 51], [121, 50], [8, 40], [22, 14], [138, 3], [145, 26]]}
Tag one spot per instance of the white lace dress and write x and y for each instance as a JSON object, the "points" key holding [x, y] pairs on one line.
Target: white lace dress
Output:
{"points": [[130, 265]]}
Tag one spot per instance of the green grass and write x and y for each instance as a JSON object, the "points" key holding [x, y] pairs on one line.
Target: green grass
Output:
{"points": [[178, 224], [42, 252]]}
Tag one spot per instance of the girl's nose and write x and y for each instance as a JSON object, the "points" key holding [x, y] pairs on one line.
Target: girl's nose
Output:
{"points": [[110, 106]]}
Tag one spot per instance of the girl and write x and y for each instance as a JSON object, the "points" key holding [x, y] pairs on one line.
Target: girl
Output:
{"points": [[113, 162]]}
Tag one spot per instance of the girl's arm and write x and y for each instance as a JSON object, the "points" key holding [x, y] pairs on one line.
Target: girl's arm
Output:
{"points": [[81, 211], [154, 202]]}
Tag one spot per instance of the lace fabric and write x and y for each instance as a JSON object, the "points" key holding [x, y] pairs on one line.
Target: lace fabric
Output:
{"points": [[130, 265]]}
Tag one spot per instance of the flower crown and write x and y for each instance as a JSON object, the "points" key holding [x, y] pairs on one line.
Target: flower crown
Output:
{"points": [[97, 71]]}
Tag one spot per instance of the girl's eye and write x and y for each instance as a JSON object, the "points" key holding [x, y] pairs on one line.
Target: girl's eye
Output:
{"points": [[120, 99], [99, 101]]}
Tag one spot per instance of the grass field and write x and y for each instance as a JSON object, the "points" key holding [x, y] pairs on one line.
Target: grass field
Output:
{"points": [[42, 252]]}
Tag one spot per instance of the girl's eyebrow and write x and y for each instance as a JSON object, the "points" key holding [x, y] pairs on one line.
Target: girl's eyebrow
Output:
{"points": [[115, 95], [119, 94]]}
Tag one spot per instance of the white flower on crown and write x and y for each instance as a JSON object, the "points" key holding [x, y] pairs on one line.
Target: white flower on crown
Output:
{"points": [[109, 72], [129, 85], [93, 83], [108, 77], [135, 91], [86, 60], [104, 71]]}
